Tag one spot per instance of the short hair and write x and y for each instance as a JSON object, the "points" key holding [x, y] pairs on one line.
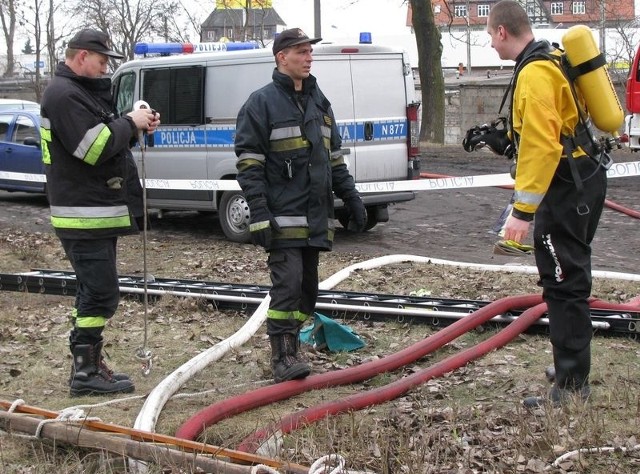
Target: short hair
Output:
{"points": [[512, 16]]}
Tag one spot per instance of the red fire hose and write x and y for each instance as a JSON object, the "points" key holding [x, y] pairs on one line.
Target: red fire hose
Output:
{"points": [[396, 389], [192, 428]]}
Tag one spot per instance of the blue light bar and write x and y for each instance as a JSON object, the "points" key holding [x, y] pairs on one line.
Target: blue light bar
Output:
{"points": [[162, 48], [365, 37], [224, 46]]}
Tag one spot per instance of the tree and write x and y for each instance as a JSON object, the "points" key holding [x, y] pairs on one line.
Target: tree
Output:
{"points": [[428, 41], [128, 22], [27, 49], [8, 17]]}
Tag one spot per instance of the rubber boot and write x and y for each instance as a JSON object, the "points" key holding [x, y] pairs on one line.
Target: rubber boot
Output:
{"points": [[571, 379], [103, 366], [88, 376], [286, 361]]}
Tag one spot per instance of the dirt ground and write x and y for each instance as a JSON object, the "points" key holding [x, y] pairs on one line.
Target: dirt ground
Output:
{"points": [[468, 421]]}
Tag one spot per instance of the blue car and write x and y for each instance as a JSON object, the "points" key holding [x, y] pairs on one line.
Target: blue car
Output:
{"points": [[21, 167]]}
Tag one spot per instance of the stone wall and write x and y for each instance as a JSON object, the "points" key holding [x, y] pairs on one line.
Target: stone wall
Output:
{"points": [[474, 103]]}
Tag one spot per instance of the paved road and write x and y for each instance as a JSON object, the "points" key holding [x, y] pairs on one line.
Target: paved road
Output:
{"points": [[446, 224]]}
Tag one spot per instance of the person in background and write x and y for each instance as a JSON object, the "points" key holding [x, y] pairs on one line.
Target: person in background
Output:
{"points": [[94, 194], [289, 164], [547, 181]]}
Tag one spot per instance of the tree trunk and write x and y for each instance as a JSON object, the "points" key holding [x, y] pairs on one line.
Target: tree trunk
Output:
{"points": [[428, 41]]}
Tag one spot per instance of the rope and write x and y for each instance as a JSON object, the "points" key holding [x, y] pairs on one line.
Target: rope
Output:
{"points": [[603, 449], [263, 468], [143, 354], [15, 405], [70, 415], [321, 465]]}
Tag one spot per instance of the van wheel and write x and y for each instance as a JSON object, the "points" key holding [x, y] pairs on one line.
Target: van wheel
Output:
{"points": [[234, 216]]}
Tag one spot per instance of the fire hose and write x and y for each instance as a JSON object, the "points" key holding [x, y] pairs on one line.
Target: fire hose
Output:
{"points": [[216, 412], [192, 428]]}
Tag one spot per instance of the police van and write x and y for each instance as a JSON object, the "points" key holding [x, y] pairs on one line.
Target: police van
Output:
{"points": [[199, 94]]}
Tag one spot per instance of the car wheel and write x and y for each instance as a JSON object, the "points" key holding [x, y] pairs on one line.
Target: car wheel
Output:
{"points": [[234, 216]]}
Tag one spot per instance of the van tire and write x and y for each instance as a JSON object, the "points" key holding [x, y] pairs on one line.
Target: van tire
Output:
{"points": [[234, 216]]}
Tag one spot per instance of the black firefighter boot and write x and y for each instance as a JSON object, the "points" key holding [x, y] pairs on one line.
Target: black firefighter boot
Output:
{"points": [[103, 365], [570, 380], [88, 376], [286, 362]]}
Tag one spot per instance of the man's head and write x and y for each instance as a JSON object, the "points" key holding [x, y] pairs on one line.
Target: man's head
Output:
{"points": [[292, 50], [88, 53], [509, 28]]}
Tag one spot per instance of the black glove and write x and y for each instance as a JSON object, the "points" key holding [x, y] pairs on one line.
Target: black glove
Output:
{"points": [[493, 135], [357, 214], [262, 222]]}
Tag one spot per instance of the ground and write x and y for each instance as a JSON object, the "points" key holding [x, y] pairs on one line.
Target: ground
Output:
{"points": [[470, 420]]}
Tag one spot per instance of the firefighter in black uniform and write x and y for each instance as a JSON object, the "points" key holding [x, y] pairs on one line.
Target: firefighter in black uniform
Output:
{"points": [[289, 164], [94, 193], [547, 182]]}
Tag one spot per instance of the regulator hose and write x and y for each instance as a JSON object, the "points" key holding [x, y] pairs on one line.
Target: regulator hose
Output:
{"points": [[194, 426]]}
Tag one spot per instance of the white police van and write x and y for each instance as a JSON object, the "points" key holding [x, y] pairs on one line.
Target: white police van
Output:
{"points": [[198, 95]]}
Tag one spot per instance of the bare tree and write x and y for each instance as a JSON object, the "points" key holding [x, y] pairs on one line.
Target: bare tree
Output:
{"points": [[428, 41], [8, 17], [128, 22]]}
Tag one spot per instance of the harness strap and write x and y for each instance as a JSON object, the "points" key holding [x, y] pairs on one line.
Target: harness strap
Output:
{"points": [[568, 145], [583, 68]]}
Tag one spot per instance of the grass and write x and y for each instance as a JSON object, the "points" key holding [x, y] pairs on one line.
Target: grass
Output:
{"points": [[470, 420]]}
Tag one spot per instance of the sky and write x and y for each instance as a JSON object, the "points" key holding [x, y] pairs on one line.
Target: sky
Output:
{"points": [[345, 19]]}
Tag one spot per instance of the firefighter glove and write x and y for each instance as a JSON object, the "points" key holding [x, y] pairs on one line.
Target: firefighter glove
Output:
{"points": [[492, 135], [357, 214], [262, 223]]}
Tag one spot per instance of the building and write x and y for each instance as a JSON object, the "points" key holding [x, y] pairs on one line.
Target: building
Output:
{"points": [[543, 13], [241, 24]]}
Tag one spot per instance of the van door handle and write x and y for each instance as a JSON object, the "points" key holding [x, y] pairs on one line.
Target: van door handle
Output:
{"points": [[368, 131]]}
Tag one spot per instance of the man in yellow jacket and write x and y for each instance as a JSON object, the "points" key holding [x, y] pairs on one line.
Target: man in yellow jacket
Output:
{"points": [[564, 189]]}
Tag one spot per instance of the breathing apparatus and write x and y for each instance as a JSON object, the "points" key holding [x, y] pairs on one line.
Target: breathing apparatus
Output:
{"points": [[585, 68]]}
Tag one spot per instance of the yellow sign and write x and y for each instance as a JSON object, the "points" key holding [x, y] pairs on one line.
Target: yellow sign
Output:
{"points": [[223, 4]]}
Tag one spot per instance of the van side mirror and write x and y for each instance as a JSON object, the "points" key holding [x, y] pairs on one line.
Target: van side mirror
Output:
{"points": [[31, 141]]}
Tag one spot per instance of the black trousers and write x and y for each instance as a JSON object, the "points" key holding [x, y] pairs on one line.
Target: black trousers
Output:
{"points": [[294, 279], [98, 293], [562, 241]]}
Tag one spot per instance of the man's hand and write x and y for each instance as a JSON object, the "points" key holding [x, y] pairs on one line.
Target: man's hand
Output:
{"points": [[262, 222], [357, 214], [146, 120], [516, 229]]}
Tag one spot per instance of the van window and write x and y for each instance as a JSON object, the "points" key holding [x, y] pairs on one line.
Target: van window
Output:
{"points": [[124, 91], [177, 93]]}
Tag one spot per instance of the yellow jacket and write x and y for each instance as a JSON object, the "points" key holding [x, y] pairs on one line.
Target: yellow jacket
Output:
{"points": [[543, 109]]}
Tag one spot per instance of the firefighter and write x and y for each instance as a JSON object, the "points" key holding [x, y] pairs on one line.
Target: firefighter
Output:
{"points": [[93, 187], [562, 187], [289, 162]]}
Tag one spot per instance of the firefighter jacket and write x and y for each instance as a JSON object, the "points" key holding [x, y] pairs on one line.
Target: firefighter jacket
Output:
{"points": [[543, 110], [288, 150], [92, 181]]}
